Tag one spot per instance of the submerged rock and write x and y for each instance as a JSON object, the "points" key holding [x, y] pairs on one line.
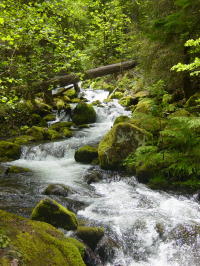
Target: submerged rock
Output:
{"points": [[86, 154], [84, 114], [90, 235], [58, 189], [51, 212], [26, 242], [9, 151], [16, 170], [93, 177], [118, 143]]}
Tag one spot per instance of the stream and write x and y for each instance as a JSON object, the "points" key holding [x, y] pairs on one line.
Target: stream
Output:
{"points": [[151, 228]]}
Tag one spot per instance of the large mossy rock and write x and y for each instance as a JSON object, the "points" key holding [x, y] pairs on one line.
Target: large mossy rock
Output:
{"points": [[9, 151], [90, 235], [84, 114], [26, 242], [144, 106], [86, 154], [118, 143], [51, 212]]}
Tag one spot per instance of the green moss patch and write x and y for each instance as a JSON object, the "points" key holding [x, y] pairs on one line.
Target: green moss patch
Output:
{"points": [[36, 243], [9, 151], [50, 211], [86, 154], [84, 114]]}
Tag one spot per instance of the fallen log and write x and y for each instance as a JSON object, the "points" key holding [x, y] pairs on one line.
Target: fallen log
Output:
{"points": [[64, 80]]}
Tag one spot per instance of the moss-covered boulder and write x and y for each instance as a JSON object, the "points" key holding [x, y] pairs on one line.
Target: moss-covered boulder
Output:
{"points": [[90, 235], [58, 126], [26, 242], [51, 212], [86, 154], [84, 114], [16, 170], [58, 189], [122, 118], [59, 103], [66, 132], [51, 134], [118, 143], [36, 132], [23, 140], [9, 151]]}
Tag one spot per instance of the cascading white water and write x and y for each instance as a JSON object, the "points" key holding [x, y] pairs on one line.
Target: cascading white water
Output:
{"points": [[145, 223]]}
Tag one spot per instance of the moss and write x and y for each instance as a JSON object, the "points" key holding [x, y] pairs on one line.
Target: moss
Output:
{"points": [[180, 113], [118, 143], [127, 101], [75, 100], [50, 211], [149, 122], [159, 182], [71, 93], [9, 151], [86, 154], [60, 104], [33, 242], [60, 125], [16, 170], [23, 140], [84, 114], [122, 118], [144, 106], [116, 95], [52, 135], [90, 235], [67, 133], [50, 117], [36, 132]]}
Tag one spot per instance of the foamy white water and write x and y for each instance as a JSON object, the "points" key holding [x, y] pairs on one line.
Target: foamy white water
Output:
{"points": [[143, 222]]}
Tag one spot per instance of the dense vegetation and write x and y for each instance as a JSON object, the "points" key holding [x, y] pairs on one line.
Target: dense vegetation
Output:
{"points": [[43, 39]]}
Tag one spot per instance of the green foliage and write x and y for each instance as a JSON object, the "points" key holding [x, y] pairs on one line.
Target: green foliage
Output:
{"points": [[194, 67]]}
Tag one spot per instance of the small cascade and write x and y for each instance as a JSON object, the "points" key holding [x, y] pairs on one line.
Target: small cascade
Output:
{"points": [[150, 228]]}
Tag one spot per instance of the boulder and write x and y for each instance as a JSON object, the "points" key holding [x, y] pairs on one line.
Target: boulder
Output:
{"points": [[122, 118], [58, 189], [51, 134], [83, 114], [9, 151], [118, 143], [23, 140], [90, 235], [16, 170], [51, 212], [93, 176], [86, 154], [67, 133], [58, 126], [36, 132], [26, 242]]}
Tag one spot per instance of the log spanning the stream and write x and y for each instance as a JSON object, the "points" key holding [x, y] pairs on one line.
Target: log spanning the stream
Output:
{"points": [[65, 80]]}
